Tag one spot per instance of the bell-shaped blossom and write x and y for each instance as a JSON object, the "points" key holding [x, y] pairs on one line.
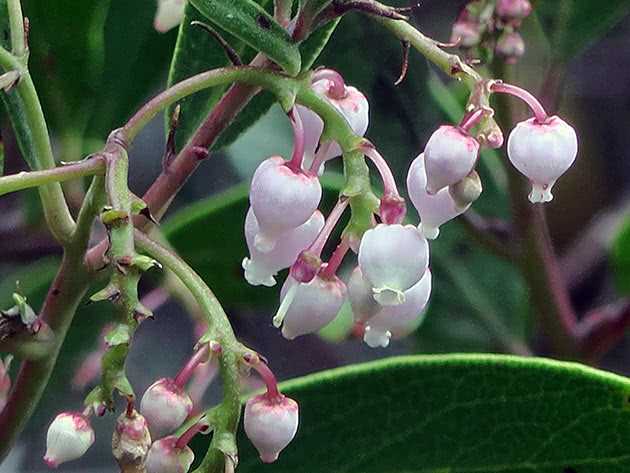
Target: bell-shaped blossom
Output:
{"points": [[434, 210], [542, 152], [260, 268], [399, 318], [309, 307], [466, 33], [361, 297], [510, 46], [69, 437], [270, 424], [513, 9], [450, 154], [165, 405], [281, 200], [169, 14], [166, 457], [353, 106], [393, 258]]}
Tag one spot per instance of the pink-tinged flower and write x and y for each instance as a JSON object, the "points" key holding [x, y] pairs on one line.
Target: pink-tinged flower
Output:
{"points": [[399, 318], [260, 268], [353, 106], [450, 154], [392, 259], [166, 457], [131, 439], [513, 9], [542, 152], [69, 437], [270, 424], [510, 46], [281, 199], [309, 307], [166, 406], [5, 381], [361, 297], [169, 14], [466, 33], [434, 210]]}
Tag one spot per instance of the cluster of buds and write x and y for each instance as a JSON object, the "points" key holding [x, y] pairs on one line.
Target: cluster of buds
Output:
{"points": [[484, 27]]}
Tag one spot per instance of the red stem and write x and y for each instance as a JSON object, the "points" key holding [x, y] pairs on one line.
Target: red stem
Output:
{"points": [[268, 378], [531, 101], [320, 156], [470, 120], [335, 214], [389, 184], [336, 259], [184, 375], [298, 141], [185, 438]]}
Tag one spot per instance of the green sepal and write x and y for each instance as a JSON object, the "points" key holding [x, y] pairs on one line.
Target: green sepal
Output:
{"points": [[108, 293], [141, 312], [137, 205], [111, 217], [27, 314], [118, 335], [144, 263]]}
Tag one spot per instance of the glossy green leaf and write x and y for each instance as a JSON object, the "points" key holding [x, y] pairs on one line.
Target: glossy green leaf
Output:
{"points": [[209, 236], [251, 23], [574, 25], [457, 414], [621, 258]]}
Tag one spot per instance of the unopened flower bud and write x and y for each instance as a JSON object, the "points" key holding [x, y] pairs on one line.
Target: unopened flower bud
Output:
{"points": [[309, 307], [260, 268], [361, 298], [393, 258], [466, 33], [434, 210], [379, 329], [450, 154], [353, 105], [165, 406], [69, 437], [513, 9], [169, 14], [270, 424], [510, 47], [542, 152], [131, 439], [166, 457], [281, 200], [466, 191]]}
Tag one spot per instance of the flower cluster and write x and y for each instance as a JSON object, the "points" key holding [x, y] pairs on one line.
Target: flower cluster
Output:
{"points": [[390, 287], [485, 27]]}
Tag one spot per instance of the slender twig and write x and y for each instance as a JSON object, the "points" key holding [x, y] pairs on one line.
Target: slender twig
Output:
{"points": [[602, 328], [25, 180], [16, 24]]}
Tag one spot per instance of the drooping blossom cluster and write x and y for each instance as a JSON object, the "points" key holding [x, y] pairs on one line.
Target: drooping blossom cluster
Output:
{"points": [[486, 27], [390, 286]]}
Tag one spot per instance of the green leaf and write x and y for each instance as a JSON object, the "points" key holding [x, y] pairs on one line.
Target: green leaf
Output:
{"points": [[196, 51], [580, 23], [457, 414], [209, 236], [251, 23], [621, 258]]}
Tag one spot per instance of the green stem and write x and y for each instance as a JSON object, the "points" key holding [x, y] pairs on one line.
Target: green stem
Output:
{"points": [[25, 180], [227, 414], [16, 24], [32, 133], [283, 86]]}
